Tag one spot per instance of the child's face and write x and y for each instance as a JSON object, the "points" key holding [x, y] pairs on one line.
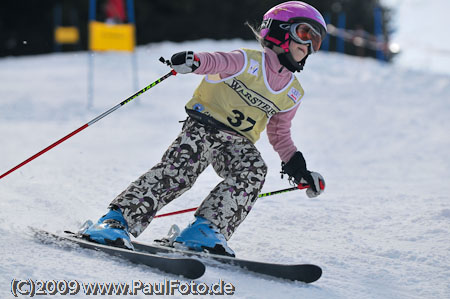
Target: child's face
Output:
{"points": [[298, 51]]}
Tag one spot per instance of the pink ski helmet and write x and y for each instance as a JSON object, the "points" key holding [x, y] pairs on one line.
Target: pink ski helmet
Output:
{"points": [[276, 28]]}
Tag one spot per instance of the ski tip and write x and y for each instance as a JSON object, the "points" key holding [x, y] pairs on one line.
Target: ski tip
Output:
{"points": [[314, 274], [195, 269]]}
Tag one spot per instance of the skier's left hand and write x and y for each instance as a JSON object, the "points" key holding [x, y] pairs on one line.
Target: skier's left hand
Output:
{"points": [[184, 62], [318, 185], [296, 169]]}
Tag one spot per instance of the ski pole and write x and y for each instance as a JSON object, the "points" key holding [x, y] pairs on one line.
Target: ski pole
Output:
{"points": [[129, 99], [299, 187]]}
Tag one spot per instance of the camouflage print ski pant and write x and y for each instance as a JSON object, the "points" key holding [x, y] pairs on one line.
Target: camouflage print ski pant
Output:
{"points": [[233, 157]]}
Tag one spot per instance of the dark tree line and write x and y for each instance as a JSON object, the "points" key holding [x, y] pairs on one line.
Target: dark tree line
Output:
{"points": [[27, 26]]}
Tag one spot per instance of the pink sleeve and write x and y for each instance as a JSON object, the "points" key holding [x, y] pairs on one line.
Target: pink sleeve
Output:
{"points": [[226, 64], [279, 133]]}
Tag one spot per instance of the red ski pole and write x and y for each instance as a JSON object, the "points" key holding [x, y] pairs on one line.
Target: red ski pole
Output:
{"points": [[299, 187], [129, 99]]}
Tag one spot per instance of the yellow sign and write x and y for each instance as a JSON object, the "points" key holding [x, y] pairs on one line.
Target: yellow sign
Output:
{"points": [[67, 35], [111, 37]]}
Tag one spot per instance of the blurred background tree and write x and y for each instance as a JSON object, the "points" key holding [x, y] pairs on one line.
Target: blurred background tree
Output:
{"points": [[27, 26]]}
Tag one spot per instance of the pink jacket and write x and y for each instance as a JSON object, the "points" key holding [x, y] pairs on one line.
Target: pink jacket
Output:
{"points": [[228, 64]]}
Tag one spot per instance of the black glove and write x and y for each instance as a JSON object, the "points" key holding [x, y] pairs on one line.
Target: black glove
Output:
{"points": [[184, 62], [296, 169]]}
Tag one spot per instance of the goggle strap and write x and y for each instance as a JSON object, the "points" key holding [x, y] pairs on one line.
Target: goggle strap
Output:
{"points": [[266, 24]]}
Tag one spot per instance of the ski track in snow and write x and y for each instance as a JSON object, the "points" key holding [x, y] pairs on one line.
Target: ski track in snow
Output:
{"points": [[378, 133]]}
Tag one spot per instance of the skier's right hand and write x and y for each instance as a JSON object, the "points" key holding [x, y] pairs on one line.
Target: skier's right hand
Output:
{"points": [[184, 62]]}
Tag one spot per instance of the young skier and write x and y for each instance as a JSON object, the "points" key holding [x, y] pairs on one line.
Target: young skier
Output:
{"points": [[243, 92]]}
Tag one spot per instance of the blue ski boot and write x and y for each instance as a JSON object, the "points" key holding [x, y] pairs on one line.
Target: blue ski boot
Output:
{"points": [[111, 229], [202, 235]]}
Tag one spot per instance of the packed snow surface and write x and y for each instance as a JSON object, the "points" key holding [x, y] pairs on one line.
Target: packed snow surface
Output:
{"points": [[378, 133], [420, 27]]}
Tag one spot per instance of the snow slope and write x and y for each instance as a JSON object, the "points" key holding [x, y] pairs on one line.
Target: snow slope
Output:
{"points": [[422, 33], [378, 133]]}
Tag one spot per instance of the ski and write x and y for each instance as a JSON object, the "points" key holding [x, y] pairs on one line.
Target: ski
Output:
{"points": [[184, 266], [178, 262], [298, 272]]}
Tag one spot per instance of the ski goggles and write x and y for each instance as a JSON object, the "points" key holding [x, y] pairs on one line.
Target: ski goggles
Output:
{"points": [[304, 33]]}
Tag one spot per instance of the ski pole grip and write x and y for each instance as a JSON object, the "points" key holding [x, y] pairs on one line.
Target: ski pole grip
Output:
{"points": [[302, 186], [322, 185], [306, 186], [167, 62]]}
